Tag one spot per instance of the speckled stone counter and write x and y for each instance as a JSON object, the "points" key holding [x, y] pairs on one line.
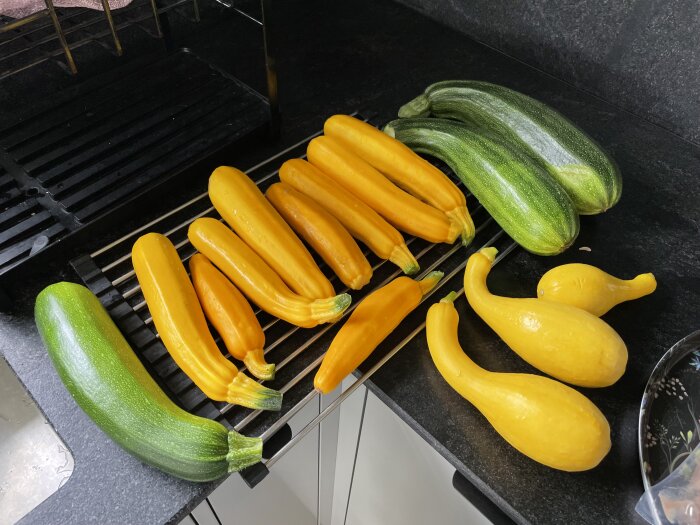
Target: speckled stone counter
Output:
{"points": [[377, 55]]}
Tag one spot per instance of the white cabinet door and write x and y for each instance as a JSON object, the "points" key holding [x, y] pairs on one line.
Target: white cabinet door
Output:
{"points": [[351, 415], [401, 480], [289, 493], [384, 474], [202, 515]]}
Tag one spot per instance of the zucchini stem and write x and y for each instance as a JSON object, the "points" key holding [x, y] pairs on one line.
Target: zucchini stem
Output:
{"points": [[255, 361], [418, 107], [330, 309], [242, 451], [402, 257], [461, 217], [429, 282], [246, 392]]}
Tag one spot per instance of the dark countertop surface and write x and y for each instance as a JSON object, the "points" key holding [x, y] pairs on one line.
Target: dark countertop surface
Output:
{"points": [[338, 57]]}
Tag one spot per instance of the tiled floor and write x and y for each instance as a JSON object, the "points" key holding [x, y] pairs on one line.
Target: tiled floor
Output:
{"points": [[33, 461]]}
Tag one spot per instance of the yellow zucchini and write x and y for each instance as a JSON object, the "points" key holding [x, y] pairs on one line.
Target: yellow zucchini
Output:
{"points": [[243, 206], [257, 280], [565, 342], [591, 289], [405, 168], [231, 315], [547, 421], [401, 209], [324, 234], [178, 317], [361, 221], [372, 321]]}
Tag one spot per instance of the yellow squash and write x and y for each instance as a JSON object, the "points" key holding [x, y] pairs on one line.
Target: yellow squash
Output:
{"points": [[590, 288], [178, 317], [565, 342], [371, 322], [252, 276], [404, 167], [231, 315], [361, 221], [401, 209], [324, 234], [547, 421], [240, 202]]}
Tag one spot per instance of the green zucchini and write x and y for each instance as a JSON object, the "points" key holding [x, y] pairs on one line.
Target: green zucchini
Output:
{"points": [[513, 187], [110, 384], [587, 173]]}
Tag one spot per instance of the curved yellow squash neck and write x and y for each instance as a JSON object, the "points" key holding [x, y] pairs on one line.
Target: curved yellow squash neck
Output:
{"points": [[478, 268], [642, 285], [590, 288], [563, 341], [542, 418], [456, 365]]}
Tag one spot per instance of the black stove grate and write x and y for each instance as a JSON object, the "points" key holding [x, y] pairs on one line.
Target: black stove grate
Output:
{"points": [[101, 142], [297, 352]]}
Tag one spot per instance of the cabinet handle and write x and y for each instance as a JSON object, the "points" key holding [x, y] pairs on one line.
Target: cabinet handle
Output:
{"points": [[277, 441], [477, 498]]}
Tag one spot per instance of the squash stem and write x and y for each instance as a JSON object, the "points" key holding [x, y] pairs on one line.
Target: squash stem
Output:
{"points": [[246, 392], [255, 361], [242, 451], [450, 297], [489, 253], [402, 257], [330, 309], [642, 285], [461, 217], [428, 282]]}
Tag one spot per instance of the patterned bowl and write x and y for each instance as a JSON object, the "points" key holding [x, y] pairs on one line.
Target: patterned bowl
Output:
{"points": [[669, 419]]}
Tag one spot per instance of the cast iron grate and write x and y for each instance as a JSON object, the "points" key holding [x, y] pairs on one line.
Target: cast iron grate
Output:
{"points": [[99, 143], [297, 352]]}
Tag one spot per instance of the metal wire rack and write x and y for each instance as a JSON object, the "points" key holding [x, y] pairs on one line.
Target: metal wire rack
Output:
{"points": [[28, 41], [297, 352], [71, 149], [50, 11], [25, 42]]}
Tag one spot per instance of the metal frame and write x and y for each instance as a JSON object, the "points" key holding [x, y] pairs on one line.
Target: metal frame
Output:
{"points": [[50, 11], [270, 67], [122, 262], [113, 30], [156, 12]]}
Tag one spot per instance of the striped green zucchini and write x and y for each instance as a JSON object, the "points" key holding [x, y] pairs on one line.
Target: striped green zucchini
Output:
{"points": [[513, 187], [587, 173], [110, 384]]}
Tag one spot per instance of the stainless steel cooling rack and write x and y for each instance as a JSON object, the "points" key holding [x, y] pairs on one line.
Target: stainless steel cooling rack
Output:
{"points": [[297, 352], [26, 42], [15, 26]]}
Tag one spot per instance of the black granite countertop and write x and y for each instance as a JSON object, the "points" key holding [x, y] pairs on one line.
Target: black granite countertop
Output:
{"points": [[341, 56]]}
